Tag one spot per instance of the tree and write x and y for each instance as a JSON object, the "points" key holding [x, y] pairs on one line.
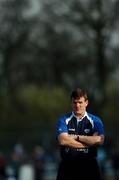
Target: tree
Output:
{"points": [[81, 32], [13, 34]]}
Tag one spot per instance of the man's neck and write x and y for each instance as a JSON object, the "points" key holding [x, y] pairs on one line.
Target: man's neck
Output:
{"points": [[80, 116]]}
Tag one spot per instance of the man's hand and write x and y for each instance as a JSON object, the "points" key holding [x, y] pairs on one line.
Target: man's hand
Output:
{"points": [[74, 136]]}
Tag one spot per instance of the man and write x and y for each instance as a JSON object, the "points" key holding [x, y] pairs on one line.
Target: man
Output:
{"points": [[79, 134]]}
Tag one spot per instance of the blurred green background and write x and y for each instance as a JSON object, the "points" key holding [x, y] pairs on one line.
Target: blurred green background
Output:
{"points": [[47, 48]]}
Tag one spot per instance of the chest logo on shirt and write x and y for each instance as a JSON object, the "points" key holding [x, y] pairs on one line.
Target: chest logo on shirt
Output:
{"points": [[87, 131]]}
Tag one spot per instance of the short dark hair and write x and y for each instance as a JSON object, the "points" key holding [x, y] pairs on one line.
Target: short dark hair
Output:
{"points": [[78, 93]]}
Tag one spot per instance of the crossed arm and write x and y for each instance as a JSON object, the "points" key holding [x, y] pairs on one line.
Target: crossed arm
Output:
{"points": [[80, 141]]}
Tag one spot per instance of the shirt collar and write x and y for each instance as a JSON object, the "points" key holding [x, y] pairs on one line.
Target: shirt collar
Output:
{"points": [[78, 117]]}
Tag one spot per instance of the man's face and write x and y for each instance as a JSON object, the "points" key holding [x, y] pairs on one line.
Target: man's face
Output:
{"points": [[79, 106]]}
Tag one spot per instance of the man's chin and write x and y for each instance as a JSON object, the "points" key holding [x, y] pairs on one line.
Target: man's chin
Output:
{"points": [[78, 113]]}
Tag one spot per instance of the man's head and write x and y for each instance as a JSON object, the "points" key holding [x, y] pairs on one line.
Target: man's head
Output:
{"points": [[79, 100]]}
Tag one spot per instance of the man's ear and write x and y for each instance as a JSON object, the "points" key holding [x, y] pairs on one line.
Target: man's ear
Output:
{"points": [[87, 102]]}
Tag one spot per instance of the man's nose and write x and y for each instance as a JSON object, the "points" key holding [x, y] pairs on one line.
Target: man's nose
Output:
{"points": [[77, 104]]}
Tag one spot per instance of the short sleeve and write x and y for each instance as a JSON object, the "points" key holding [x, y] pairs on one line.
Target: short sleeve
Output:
{"points": [[61, 127], [99, 126]]}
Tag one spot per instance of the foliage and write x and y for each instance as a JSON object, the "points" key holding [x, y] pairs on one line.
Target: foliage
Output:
{"points": [[42, 107], [110, 110]]}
